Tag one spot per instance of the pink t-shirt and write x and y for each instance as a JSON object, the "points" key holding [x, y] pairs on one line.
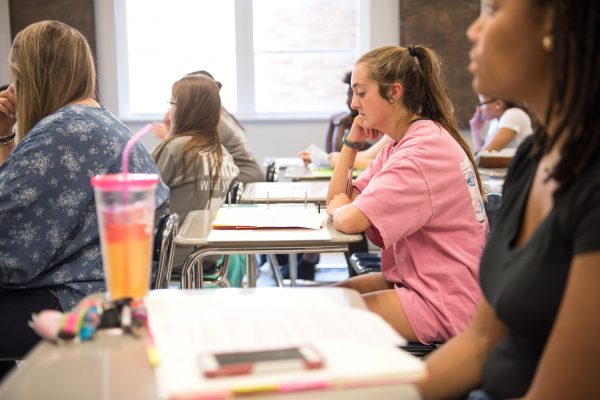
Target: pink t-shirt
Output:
{"points": [[427, 214]]}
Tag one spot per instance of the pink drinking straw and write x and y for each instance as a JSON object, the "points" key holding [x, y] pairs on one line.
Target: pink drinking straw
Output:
{"points": [[129, 145]]}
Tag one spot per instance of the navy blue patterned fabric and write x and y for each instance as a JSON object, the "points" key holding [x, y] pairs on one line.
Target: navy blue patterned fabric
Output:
{"points": [[48, 228]]}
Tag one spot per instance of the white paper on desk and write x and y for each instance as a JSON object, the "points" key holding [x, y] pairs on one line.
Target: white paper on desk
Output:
{"points": [[358, 346], [318, 157], [285, 162], [506, 152], [268, 235], [268, 216], [492, 172]]}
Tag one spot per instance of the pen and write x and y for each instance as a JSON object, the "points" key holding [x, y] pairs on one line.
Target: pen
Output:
{"points": [[153, 357], [281, 388], [348, 180]]}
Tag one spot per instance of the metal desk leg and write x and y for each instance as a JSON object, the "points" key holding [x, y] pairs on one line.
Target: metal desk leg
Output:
{"points": [[198, 274], [251, 270], [276, 271], [191, 273], [293, 263]]}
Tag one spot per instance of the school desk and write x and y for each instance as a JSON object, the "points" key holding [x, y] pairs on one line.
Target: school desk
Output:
{"points": [[285, 192], [117, 367], [196, 229]]}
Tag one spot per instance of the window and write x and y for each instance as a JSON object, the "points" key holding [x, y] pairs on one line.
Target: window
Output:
{"points": [[275, 59]]}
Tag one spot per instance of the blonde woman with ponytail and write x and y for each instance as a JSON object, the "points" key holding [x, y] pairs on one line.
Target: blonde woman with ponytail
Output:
{"points": [[419, 200]]}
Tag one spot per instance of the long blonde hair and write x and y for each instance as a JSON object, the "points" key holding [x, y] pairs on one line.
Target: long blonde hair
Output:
{"points": [[197, 112], [52, 66], [424, 90]]}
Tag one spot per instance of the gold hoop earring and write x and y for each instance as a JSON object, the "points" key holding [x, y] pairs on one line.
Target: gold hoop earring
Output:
{"points": [[547, 42]]}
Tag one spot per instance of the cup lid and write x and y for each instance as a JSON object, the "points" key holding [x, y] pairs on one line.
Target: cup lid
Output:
{"points": [[124, 181]]}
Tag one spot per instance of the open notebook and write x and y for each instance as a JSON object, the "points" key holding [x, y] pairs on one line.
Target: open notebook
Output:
{"points": [[359, 348], [252, 216]]}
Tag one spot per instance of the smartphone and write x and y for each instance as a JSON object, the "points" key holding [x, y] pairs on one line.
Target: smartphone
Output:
{"points": [[250, 362]]}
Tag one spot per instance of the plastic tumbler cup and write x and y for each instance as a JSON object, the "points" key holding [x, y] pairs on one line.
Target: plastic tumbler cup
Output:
{"points": [[125, 206]]}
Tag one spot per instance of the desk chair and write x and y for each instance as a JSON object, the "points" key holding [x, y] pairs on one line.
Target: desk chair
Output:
{"points": [[234, 194], [164, 248], [272, 172], [492, 203], [216, 275], [235, 191], [364, 263]]}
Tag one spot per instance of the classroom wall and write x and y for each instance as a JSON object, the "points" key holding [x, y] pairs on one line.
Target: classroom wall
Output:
{"points": [[4, 42], [442, 26], [80, 15], [438, 24], [270, 138], [267, 138]]}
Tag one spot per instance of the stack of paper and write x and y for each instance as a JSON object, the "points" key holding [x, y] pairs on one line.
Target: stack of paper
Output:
{"points": [[359, 348]]}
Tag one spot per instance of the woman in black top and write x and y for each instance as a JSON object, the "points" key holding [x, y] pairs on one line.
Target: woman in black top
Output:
{"points": [[535, 334]]}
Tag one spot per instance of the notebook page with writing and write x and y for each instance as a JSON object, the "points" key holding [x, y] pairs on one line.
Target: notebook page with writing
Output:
{"points": [[195, 324]]}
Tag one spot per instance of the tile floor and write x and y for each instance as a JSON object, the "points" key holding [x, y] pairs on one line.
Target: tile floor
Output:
{"points": [[331, 268]]}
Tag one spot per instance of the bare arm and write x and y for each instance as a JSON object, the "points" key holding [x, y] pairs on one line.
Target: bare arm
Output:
{"points": [[5, 150], [502, 137], [339, 179], [349, 219], [455, 368], [476, 124], [568, 368], [346, 217], [161, 129], [363, 158], [8, 103], [369, 154]]}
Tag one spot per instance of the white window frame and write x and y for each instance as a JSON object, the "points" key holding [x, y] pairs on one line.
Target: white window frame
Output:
{"points": [[113, 71]]}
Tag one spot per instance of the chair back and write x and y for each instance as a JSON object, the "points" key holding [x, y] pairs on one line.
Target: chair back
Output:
{"points": [[492, 203], [272, 173], [164, 248], [234, 194]]}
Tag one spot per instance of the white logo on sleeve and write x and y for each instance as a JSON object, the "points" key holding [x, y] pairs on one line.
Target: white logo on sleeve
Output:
{"points": [[476, 200]]}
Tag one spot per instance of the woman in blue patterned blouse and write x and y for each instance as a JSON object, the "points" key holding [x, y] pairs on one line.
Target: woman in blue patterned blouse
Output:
{"points": [[49, 242]]}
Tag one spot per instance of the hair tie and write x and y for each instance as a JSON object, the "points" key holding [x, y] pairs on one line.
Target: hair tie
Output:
{"points": [[412, 51]]}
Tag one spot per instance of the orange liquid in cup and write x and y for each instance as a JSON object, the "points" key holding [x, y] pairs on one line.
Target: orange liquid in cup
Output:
{"points": [[127, 259], [125, 207]]}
